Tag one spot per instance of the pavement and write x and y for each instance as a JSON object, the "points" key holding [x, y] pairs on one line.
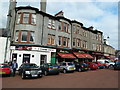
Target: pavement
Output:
{"points": [[101, 78]]}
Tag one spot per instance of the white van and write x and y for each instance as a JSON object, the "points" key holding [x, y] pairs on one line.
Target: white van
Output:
{"points": [[107, 62]]}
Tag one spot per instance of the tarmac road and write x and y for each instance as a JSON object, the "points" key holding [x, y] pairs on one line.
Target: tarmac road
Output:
{"points": [[102, 78]]}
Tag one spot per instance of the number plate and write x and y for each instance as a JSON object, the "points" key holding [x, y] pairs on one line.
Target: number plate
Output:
{"points": [[34, 75], [2, 72], [55, 67], [71, 68]]}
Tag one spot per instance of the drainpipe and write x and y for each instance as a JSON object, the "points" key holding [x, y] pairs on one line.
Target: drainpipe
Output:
{"points": [[42, 31]]}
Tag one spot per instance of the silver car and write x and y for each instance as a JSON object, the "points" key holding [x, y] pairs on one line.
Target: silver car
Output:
{"points": [[67, 67]]}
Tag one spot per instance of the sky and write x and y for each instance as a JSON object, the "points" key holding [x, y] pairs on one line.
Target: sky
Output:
{"points": [[101, 14]]}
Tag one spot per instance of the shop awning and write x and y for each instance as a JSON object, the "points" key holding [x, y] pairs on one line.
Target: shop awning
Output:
{"points": [[108, 57], [66, 55], [88, 56], [82, 55], [79, 55]]}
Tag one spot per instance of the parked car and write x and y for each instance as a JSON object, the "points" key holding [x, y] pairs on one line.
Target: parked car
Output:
{"points": [[29, 70], [92, 65], [81, 66], [117, 65], [50, 68], [67, 67], [107, 62], [100, 65], [5, 69]]}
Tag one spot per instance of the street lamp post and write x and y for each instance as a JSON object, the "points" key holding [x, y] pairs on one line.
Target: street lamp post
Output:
{"points": [[8, 34]]}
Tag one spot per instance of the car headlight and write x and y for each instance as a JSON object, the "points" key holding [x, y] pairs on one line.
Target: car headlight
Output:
{"points": [[27, 72], [40, 71]]}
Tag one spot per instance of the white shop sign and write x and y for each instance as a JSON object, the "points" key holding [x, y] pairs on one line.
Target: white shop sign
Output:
{"points": [[52, 50]]}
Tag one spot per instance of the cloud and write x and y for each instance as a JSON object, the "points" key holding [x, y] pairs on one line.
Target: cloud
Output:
{"points": [[102, 15]]}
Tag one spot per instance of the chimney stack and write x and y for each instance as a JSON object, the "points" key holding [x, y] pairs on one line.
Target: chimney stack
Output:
{"points": [[43, 5], [91, 28]]}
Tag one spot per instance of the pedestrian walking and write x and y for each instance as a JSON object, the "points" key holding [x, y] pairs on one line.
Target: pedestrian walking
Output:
{"points": [[14, 67], [10, 64]]}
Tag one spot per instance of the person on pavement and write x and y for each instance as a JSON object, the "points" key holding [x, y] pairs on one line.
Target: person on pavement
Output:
{"points": [[14, 67]]}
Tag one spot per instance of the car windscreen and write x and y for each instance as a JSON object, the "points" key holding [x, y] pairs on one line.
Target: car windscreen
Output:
{"points": [[101, 62], [30, 66], [117, 62], [83, 64], [93, 63], [70, 64], [4, 66], [52, 64]]}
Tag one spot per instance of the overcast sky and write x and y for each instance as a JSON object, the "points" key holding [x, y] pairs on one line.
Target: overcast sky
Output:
{"points": [[101, 14]]}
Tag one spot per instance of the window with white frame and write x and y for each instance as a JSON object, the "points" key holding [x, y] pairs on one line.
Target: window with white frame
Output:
{"points": [[60, 40], [26, 18], [74, 29], [74, 41], [78, 42], [51, 24], [64, 41], [24, 36], [33, 19], [65, 27], [32, 36], [19, 17], [17, 36], [93, 46]]}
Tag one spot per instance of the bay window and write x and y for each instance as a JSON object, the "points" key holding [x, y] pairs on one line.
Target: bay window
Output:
{"points": [[24, 36], [26, 18]]}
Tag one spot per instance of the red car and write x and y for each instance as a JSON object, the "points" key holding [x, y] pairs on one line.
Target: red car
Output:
{"points": [[92, 65], [100, 65], [5, 69]]}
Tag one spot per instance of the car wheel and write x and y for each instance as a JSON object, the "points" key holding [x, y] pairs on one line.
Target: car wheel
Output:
{"points": [[64, 71], [9, 75], [40, 76], [89, 68], [45, 73], [57, 73], [104, 67], [110, 66], [23, 76], [79, 70]]}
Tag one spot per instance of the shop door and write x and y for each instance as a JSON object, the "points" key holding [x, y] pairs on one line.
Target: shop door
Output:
{"points": [[14, 56], [26, 58], [43, 59]]}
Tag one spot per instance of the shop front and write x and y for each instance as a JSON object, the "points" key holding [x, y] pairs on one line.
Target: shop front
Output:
{"points": [[97, 55], [37, 55]]}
